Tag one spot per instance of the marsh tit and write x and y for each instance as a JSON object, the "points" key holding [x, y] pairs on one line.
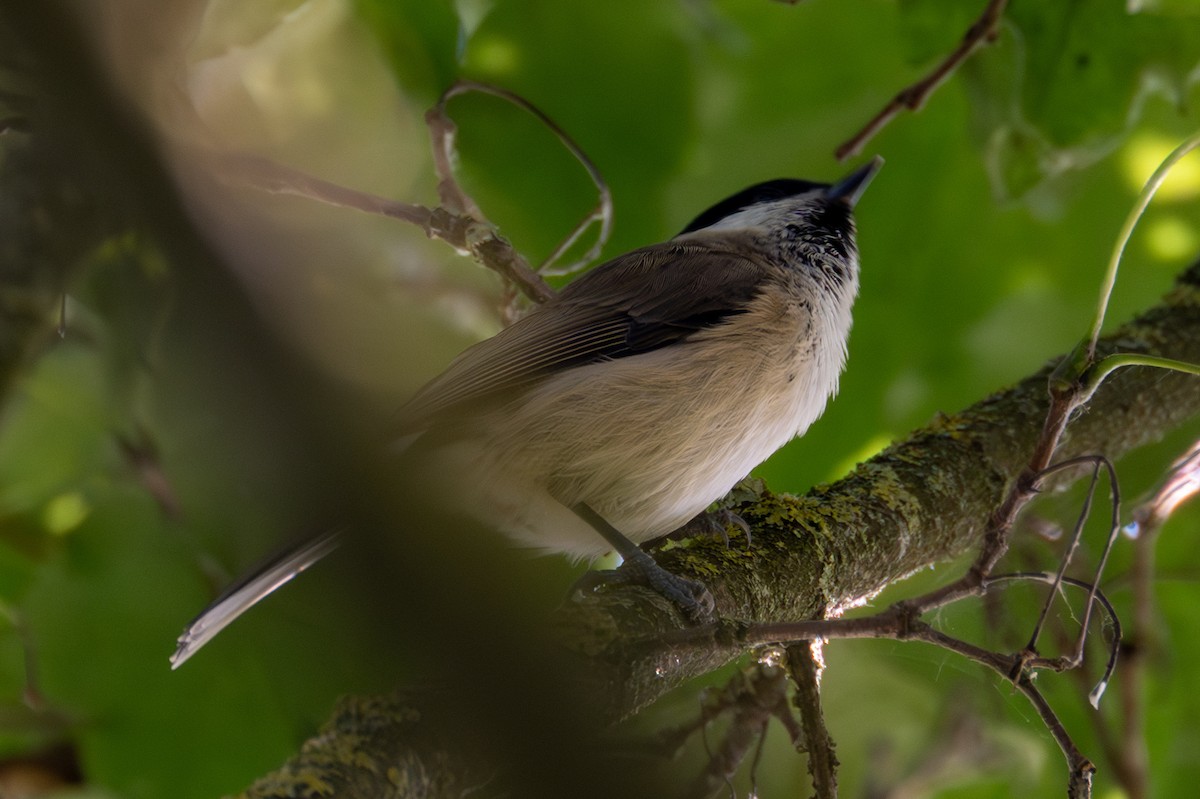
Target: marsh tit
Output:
{"points": [[618, 411]]}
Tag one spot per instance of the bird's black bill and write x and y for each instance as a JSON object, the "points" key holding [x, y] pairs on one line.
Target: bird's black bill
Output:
{"points": [[851, 187]]}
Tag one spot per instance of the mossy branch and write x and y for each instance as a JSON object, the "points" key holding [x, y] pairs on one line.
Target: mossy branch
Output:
{"points": [[922, 501]]}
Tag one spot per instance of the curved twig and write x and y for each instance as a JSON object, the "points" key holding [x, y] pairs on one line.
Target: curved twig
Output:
{"points": [[1097, 462], [1063, 664], [1135, 215], [443, 131]]}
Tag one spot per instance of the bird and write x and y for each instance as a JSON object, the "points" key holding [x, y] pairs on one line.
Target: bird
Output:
{"points": [[619, 410]]}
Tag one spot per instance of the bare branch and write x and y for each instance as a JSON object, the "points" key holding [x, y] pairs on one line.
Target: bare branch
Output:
{"points": [[458, 221], [465, 234], [752, 697], [274, 178], [983, 31], [805, 667]]}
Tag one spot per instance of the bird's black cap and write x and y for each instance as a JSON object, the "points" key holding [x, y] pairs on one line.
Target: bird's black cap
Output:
{"points": [[758, 193], [848, 190]]}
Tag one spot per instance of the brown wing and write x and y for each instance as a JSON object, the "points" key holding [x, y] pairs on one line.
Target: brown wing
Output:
{"points": [[636, 303]]}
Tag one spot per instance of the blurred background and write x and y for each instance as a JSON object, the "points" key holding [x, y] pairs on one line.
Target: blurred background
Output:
{"points": [[140, 468]]}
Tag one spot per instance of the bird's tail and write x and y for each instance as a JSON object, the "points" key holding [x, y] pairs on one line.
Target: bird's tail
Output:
{"points": [[246, 592]]}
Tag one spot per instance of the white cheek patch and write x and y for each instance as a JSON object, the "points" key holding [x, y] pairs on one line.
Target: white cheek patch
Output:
{"points": [[765, 215]]}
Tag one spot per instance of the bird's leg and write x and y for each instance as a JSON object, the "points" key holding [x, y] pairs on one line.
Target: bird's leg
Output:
{"points": [[690, 596]]}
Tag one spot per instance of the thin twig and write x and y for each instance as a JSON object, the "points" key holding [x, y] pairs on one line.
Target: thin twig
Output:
{"points": [[983, 31], [452, 194], [1072, 545], [1098, 462], [275, 178], [896, 622], [141, 453], [1094, 596], [805, 670], [444, 134], [899, 622], [1114, 531], [753, 696], [465, 234], [1080, 769], [458, 221]]}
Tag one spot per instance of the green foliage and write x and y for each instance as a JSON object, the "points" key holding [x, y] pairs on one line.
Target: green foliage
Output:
{"points": [[983, 240], [1065, 82], [1080, 57]]}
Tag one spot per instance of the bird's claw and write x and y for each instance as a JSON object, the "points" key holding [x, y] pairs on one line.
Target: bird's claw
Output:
{"points": [[713, 523], [692, 597]]}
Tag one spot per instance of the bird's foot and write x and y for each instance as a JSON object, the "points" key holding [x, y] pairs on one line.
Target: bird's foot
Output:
{"points": [[691, 596]]}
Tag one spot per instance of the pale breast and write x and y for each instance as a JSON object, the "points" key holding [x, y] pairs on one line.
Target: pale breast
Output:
{"points": [[651, 440]]}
